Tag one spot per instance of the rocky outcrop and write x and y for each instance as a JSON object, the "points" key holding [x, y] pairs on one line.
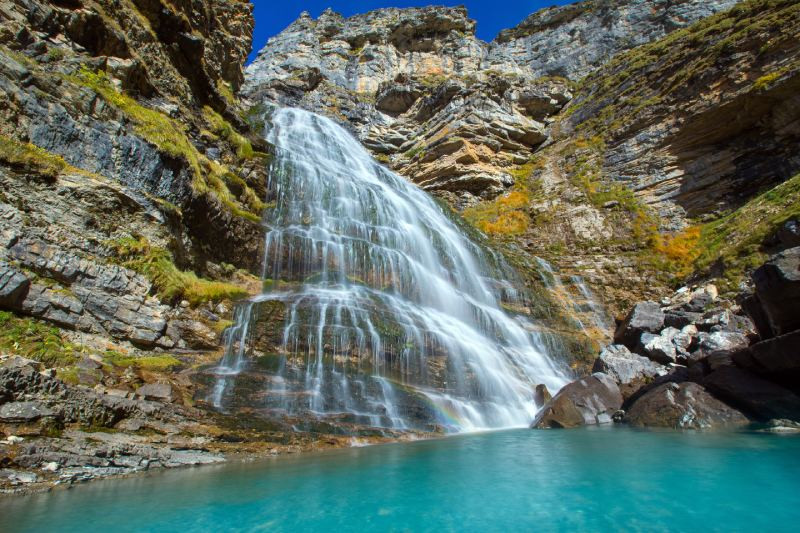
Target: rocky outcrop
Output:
{"points": [[718, 366], [645, 317], [589, 401], [629, 370], [679, 137]]}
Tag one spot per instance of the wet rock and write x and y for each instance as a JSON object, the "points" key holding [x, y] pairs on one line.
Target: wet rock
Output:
{"points": [[541, 395], [625, 367], [682, 406], [755, 396], [645, 317], [19, 477], [589, 401], [777, 285], [781, 426]]}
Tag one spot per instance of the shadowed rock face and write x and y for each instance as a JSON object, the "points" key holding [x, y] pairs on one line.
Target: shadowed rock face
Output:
{"points": [[778, 288]]}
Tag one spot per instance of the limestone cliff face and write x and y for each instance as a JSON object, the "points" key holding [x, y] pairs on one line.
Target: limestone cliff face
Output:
{"points": [[451, 112], [574, 40], [699, 129]]}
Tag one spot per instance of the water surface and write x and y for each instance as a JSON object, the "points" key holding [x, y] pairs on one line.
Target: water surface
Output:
{"points": [[521, 480]]}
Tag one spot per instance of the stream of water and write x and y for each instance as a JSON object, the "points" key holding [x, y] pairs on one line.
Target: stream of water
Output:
{"points": [[393, 315]]}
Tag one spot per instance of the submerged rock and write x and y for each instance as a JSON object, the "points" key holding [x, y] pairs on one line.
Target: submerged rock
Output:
{"points": [[589, 401], [758, 397], [682, 406]]}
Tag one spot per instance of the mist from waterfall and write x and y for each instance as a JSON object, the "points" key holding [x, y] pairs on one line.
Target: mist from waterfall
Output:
{"points": [[393, 316]]}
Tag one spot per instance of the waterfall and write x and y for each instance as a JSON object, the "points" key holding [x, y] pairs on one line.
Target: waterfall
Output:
{"points": [[392, 316]]}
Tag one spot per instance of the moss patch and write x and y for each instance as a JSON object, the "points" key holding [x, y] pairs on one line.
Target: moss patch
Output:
{"points": [[31, 158], [170, 137], [170, 283], [156, 363], [34, 340]]}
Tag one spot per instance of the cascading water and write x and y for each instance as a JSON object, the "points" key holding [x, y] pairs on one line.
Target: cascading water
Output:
{"points": [[393, 317]]}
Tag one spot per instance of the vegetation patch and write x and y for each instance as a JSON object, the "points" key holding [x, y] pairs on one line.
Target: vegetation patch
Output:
{"points": [[170, 283], [31, 158], [170, 137], [220, 126], [156, 363], [507, 215], [735, 244], [34, 340]]}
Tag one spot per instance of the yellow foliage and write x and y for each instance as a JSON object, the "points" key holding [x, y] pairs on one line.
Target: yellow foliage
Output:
{"points": [[502, 216], [680, 250], [510, 223]]}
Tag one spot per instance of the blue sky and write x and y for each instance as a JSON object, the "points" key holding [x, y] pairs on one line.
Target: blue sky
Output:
{"points": [[272, 16]]}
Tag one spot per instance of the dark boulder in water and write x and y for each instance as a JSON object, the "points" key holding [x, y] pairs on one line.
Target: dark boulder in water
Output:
{"points": [[682, 406], [588, 401], [758, 397]]}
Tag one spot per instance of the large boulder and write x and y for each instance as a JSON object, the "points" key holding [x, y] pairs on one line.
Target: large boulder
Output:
{"points": [[778, 288], [629, 370], [778, 357], [727, 342], [644, 317], [755, 396], [682, 406], [589, 401]]}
